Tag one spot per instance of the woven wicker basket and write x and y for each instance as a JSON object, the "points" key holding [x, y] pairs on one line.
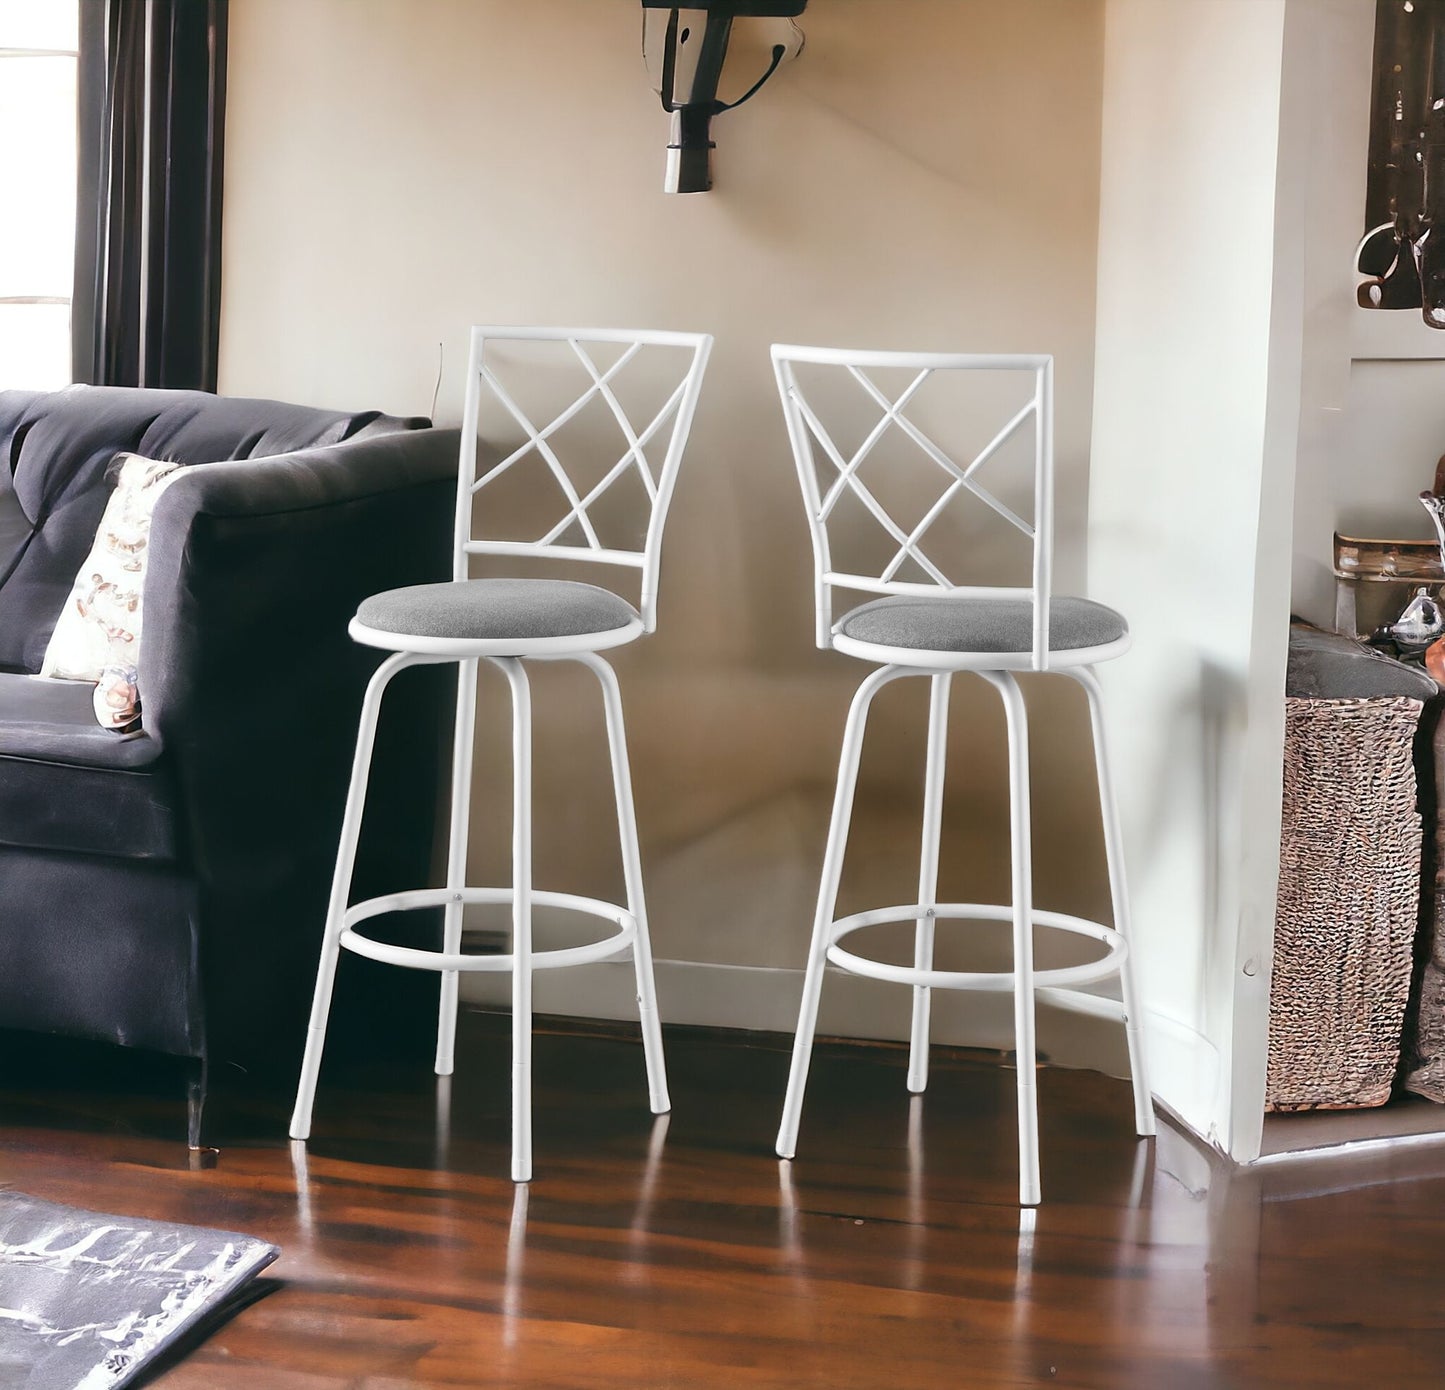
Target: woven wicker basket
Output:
{"points": [[1349, 890]]}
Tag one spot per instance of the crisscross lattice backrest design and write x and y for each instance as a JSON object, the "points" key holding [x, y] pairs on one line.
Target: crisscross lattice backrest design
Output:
{"points": [[829, 474], [649, 449]]}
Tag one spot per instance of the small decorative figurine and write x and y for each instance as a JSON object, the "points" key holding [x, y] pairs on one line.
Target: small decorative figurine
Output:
{"points": [[1435, 505], [1419, 625]]}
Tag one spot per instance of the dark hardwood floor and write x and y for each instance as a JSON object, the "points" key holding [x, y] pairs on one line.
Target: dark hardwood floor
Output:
{"points": [[680, 1252]]}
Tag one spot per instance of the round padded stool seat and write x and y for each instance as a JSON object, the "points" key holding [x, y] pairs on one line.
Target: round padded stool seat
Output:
{"points": [[498, 610], [980, 624]]}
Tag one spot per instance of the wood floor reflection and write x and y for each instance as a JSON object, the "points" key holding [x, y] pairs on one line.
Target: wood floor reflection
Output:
{"points": [[679, 1252]]}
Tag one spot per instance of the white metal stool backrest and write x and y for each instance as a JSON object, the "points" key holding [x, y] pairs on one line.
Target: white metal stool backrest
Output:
{"points": [[805, 429], [673, 421]]}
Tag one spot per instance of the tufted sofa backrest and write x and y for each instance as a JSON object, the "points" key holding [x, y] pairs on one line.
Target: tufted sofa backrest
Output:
{"points": [[55, 449]]}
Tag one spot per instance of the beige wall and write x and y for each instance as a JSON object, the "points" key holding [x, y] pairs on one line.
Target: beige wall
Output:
{"points": [[925, 175]]}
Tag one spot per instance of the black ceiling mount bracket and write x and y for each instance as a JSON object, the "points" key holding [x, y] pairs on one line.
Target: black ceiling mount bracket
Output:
{"points": [[686, 52]]}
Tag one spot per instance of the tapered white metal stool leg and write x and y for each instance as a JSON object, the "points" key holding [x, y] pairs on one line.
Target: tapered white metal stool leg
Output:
{"points": [[657, 1093], [340, 891], [457, 858], [1119, 893], [787, 1144], [1023, 932], [521, 917], [933, 775]]}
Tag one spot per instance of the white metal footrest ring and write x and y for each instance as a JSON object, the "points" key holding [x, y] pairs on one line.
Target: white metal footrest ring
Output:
{"points": [[417, 959], [1061, 977]]}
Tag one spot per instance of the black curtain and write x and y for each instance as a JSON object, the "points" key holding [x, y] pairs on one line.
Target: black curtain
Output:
{"points": [[152, 85]]}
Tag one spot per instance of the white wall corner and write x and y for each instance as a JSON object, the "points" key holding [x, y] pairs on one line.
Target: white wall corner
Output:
{"points": [[1196, 409]]}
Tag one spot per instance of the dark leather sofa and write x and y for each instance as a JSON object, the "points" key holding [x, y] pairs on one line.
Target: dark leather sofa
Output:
{"points": [[166, 890]]}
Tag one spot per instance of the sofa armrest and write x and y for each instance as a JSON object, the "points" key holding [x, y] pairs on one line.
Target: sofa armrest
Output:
{"points": [[252, 687], [317, 477], [257, 564]]}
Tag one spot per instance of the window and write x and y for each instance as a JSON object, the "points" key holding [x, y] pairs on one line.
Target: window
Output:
{"points": [[38, 40]]}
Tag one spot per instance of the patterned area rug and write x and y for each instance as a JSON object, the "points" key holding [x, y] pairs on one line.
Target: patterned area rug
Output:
{"points": [[89, 1301]]}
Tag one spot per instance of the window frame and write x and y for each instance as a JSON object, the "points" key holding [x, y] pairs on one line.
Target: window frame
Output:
{"points": [[8, 52]]}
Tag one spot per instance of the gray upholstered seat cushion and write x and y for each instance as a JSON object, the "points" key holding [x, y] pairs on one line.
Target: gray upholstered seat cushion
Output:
{"points": [[68, 785], [53, 721], [980, 624], [482, 610]]}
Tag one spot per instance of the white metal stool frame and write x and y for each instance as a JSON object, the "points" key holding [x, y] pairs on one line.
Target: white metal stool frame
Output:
{"points": [[1058, 986], [630, 932]]}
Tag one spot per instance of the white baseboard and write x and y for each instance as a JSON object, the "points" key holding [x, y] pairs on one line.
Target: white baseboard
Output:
{"points": [[762, 998]]}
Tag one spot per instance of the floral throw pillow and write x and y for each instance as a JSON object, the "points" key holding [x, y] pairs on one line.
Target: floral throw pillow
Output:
{"points": [[98, 635]]}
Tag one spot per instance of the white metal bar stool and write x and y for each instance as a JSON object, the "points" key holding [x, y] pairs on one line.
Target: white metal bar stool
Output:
{"points": [[508, 622], [934, 628]]}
